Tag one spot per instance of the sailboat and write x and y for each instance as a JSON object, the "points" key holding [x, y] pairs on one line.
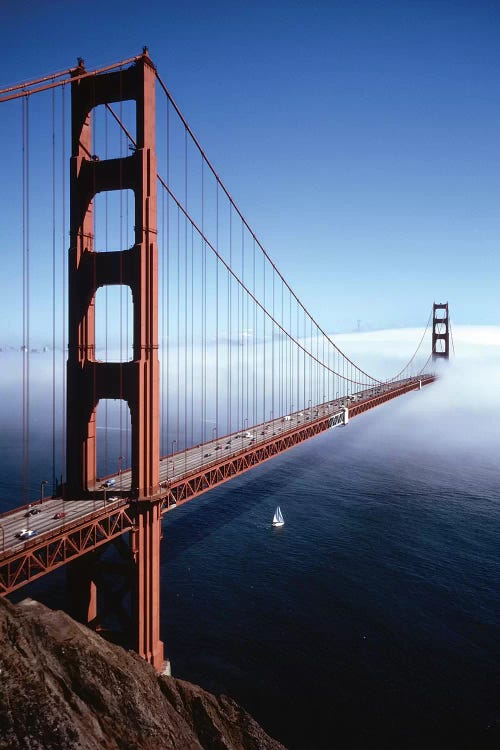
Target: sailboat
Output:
{"points": [[278, 517]]}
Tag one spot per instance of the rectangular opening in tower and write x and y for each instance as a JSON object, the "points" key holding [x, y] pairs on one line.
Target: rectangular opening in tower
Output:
{"points": [[114, 220], [110, 139], [440, 328], [114, 324], [114, 436], [440, 313]]}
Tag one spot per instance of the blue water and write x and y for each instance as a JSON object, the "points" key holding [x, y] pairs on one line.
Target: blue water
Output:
{"points": [[371, 619]]}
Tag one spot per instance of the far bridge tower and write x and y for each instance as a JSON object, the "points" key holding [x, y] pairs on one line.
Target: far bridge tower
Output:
{"points": [[440, 331]]}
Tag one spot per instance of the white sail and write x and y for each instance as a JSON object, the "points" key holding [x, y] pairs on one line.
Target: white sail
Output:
{"points": [[278, 517]]}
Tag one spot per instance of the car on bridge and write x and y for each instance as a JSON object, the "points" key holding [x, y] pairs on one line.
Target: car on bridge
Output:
{"points": [[60, 514], [32, 512], [26, 533], [109, 483]]}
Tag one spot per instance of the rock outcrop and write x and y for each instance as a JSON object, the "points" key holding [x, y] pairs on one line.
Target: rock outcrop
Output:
{"points": [[63, 687]]}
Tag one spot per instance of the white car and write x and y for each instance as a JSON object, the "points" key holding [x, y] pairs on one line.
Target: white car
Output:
{"points": [[26, 533]]}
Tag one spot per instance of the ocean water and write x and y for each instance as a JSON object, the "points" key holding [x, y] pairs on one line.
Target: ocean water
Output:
{"points": [[371, 619]]}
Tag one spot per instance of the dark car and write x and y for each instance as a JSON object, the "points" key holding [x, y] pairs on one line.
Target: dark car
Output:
{"points": [[32, 512], [60, 514]]}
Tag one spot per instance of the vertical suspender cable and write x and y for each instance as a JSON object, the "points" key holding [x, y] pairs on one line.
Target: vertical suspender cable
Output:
{"points": [[121, 405], [163, 451], [163, 338], [239, 401], [203, 313], [217, 308], [281, 374], [302, 404], [254, 361], [24, 352], [192, 335], [178, 240], [28, 294], [166, 324], [53, 293], [245, 322], [264, 365], [185, 326], [304, 364], [164, 198], [64, 262], [127, 342], [93, 248], [272, 350], [178, 337], [106, 247], [168, 379], [230, 289]]}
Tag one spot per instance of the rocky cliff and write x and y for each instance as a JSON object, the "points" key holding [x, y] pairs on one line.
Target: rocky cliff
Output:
{"points": [[63, 687]]}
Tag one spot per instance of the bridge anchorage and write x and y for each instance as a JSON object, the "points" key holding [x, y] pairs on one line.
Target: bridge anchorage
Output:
{"points": [[285, 380]]}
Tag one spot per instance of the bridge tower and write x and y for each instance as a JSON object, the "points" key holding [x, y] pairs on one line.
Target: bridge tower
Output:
{"points": [[136, 381], [440, 331]]}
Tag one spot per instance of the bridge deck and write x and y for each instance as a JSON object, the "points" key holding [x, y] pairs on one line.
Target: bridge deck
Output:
{"points": [[185, 463], [87, 524]]}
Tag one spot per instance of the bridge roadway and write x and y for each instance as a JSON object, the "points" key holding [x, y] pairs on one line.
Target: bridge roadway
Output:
{"points": [[85, 524], [188, 462]]}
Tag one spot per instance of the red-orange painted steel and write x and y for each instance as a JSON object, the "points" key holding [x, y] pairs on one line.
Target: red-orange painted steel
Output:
{"points": [[88, 380], [440, 330], [137, 382], [145, 543], [81, 589], [37, 85], [187, 488], [44, 554]]}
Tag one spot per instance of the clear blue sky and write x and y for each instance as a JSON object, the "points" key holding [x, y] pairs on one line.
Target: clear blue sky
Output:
{"points": [[360, 139]]}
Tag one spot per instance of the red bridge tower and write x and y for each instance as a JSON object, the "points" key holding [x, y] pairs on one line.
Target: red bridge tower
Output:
{"points": [[137, 381], [440, 331]]}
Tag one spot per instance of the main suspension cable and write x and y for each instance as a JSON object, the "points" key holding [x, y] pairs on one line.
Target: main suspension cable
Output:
{"points": [[452, 340], [30, 88], [416, 350], [248, 227], [240, 282]]}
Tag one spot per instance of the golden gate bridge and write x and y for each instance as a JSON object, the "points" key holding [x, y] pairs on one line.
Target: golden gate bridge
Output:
{"points": [[171, 308]]}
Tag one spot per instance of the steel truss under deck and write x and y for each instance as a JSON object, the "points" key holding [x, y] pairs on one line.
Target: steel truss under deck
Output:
{"points": [[187, 488], [45, 554]]}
